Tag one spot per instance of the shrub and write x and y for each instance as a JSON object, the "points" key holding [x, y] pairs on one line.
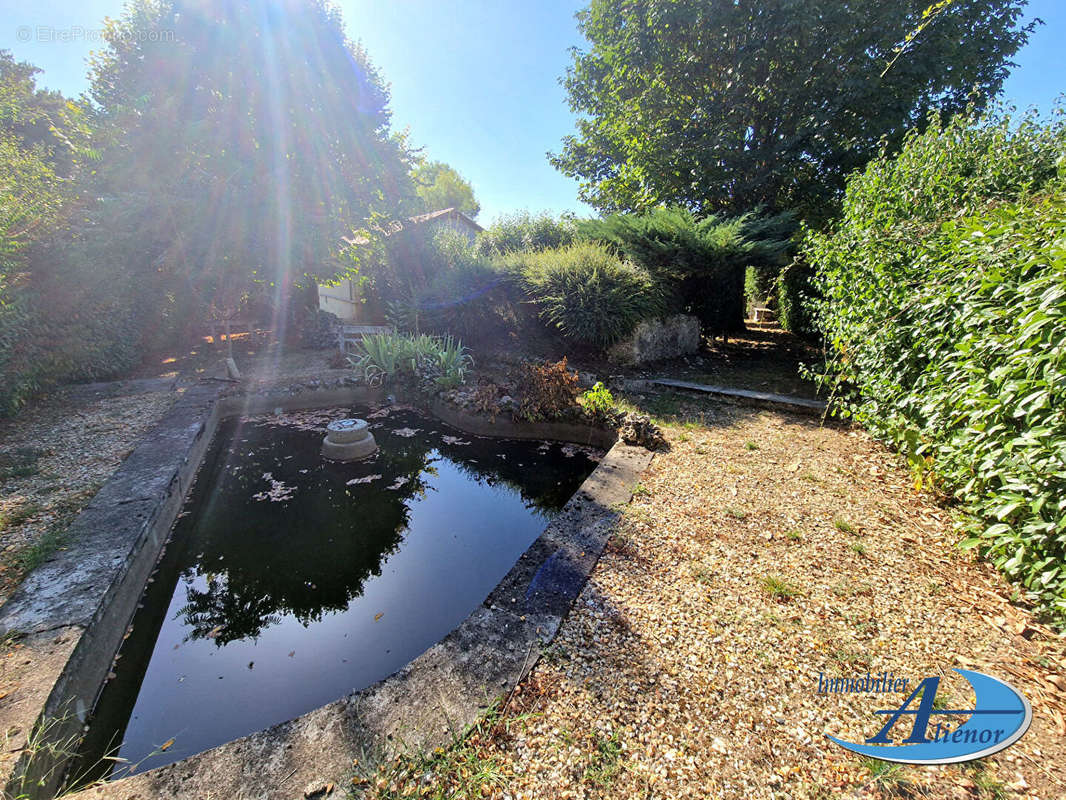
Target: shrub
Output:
{"points": [[317, 329], [473, 299], [944, 303], [758, 285], [795, 293], [526, 232], [545, 391], [700, 262], [598, 401], [588, 294]]}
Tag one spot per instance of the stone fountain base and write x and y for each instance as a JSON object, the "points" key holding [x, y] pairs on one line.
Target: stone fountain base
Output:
{"points": [[348, 440]]}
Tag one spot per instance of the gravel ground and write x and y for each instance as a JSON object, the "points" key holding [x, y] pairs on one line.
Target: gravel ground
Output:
{"points": [[53, 458], [760, 551]]}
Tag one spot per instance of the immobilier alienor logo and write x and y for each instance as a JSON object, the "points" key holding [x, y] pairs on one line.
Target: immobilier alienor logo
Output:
{"points": [[999, 718]]}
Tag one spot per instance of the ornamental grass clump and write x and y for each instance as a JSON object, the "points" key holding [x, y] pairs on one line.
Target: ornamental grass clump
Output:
{"points": [[588, 294], [944, 308]]}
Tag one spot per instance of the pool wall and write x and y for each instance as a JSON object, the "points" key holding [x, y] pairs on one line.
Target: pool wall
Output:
{"points": [[73, 613]]}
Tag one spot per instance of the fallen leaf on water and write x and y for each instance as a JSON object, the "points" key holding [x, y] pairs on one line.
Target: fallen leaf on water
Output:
{"points": [[379, 615], [215, 631], [292, 654], [166, 745]]}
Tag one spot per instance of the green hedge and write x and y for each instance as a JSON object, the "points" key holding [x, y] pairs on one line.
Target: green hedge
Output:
{"points": [[944, 304]]}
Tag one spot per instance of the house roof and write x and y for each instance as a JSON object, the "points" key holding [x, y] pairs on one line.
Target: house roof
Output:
{"points": [[451, 213], [421, 219]]}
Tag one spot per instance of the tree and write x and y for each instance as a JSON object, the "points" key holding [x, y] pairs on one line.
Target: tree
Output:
{"points": [[243, 139], [728, 106], [438, 186]]}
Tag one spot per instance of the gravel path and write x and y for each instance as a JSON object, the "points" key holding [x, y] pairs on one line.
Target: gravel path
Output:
{"points": [[760, 551], [54, 457]]}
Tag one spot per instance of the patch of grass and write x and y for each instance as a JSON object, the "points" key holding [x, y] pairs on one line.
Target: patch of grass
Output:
{"points": [[736, 513], [988, 785], [794, 536], [606, 760], [858, 548], [942, 700], [885, 775], [640, 490], [460, 771], [704, 575], [844, 526], [810, 476], [27, 559], [750, 445], [779, 588], [19, 515]]}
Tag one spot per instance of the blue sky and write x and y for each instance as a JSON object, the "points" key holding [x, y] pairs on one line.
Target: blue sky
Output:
{"points": [[476, 81]]}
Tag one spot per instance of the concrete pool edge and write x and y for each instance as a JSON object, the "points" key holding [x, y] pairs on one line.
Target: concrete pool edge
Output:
{"points": [[73, 618]]}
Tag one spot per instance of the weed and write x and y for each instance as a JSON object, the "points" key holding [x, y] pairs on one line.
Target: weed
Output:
{"points": [[779, 589], [606, 761], [942, 701], [884, 774], [459, 771], [598, 402], [844, 526], [55, 537], [19, 515], [750, 445], [859, 548], [703, 575], [640, 490], [988, 785], [736, 513], [794, 536]]}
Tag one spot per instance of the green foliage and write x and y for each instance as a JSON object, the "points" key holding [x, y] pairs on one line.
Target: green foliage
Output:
{"points": [[545, 391], [758, 284], [439, 186], [794, 295], [251, 174], [699, 262], [943, 301], [434, 362], [523, 231], [728, 106], [63, 316], [589, 294], [598, 401]]}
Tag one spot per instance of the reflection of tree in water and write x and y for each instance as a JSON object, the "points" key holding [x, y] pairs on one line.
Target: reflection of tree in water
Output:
{"points": [[311, 554], [307, 556]]}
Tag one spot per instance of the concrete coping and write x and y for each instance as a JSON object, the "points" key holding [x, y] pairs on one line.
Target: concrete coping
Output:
{"points": [[801, 404], [89, 593]]}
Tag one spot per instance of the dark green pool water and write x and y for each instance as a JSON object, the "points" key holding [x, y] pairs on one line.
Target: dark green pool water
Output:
{"points": [[291, 580]]}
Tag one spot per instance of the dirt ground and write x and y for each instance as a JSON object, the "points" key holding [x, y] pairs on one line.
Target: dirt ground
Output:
{"points": [[762, 551]]}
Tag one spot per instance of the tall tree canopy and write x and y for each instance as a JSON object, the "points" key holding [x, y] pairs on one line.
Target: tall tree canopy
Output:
{"points": [[730, 105], [244, 139], [439, 186]]}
